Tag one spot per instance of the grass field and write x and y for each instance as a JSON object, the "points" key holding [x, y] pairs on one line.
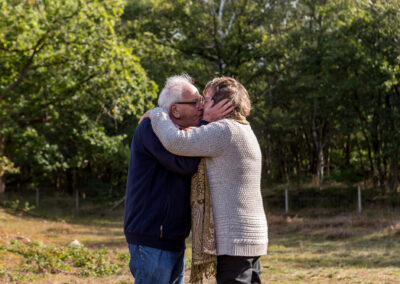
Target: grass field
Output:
{"points": [[311, 246]]}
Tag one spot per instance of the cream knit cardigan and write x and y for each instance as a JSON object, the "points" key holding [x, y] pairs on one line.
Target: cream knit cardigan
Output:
{"points": [[233, 161]]}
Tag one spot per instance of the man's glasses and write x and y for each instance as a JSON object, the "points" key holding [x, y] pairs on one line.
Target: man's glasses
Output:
{"points": [[197, 102]]}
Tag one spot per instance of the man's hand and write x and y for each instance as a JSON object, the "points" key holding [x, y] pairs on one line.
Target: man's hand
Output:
{"points": [[213, 113], [145, 115]]}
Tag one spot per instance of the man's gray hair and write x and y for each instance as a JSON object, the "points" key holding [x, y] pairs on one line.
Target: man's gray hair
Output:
{"points": [[173, 89]]}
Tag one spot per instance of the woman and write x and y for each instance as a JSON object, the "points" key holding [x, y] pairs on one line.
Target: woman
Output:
{"points": [[233, 163]]}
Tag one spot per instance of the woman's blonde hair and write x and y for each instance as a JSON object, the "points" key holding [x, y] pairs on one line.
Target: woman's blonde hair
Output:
{"points": [[228, 88]]}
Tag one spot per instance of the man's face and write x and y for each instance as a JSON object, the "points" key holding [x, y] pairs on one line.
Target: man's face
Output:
{"points": [[189, 110]]}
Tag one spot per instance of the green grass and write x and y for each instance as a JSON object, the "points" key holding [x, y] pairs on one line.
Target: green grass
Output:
{"points": [[317, 248], [309, 246]]}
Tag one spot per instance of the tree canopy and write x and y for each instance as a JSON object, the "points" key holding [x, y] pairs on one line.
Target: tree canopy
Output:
{"points": [[323, 77], [69, 86]]}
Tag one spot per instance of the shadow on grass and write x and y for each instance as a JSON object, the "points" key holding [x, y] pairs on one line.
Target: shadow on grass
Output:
{"points": [[83, 217]]}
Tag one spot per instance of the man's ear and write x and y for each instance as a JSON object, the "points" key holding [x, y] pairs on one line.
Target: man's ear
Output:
{"points": [[174, 111]]}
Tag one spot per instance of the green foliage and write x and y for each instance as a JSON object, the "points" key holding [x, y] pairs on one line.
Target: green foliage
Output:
{"points": [[204, 38], [13, 276], [323, 77], [41, 258], [68, 87], [6, 166], [15, 205]]}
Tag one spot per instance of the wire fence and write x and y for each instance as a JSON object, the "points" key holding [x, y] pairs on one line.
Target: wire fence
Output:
{"points": [[45, 196], [353, 198], [350, 198]]}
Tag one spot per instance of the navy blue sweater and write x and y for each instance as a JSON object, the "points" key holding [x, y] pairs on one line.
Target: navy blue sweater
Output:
{"points": [[157, 208]]}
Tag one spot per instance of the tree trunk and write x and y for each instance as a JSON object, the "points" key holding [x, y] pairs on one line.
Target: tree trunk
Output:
{"points": [[69, 182], [310, 148], [377, 150], [320, 169], [381, 174], [328, 161], [363, 168], [268, 159], [281, 165], [394, 172], [2, 186], [319, 147], [2, 172], [347, 150]]}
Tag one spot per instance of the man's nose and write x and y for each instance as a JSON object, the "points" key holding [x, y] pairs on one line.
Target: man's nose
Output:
{"points": [[200, 106]]}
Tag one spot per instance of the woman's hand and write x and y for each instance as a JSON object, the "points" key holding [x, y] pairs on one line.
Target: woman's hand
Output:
{"points": [[216, 112], [145, 115]]}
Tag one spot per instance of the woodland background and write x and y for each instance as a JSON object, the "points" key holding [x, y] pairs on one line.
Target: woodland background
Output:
{"points": [[323, 77], [75, 76]]}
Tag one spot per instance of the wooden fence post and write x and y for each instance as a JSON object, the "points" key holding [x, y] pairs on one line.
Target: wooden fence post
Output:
{"points": [[359, 199]]}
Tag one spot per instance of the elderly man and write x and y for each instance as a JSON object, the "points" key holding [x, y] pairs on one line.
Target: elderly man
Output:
{"points": [[233, 162], [157, 209]]}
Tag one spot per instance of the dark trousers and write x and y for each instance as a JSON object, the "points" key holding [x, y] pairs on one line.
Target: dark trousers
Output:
{"points": [[238, 269]]}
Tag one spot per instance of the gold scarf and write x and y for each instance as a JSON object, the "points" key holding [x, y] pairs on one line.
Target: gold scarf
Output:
{"points": [[204, 254]]}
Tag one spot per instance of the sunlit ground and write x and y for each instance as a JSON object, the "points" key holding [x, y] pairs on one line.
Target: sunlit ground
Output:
{"points": [[310, 246]]}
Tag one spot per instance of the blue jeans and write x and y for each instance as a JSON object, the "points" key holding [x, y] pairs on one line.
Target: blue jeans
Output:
{"points": [[151, 265]]}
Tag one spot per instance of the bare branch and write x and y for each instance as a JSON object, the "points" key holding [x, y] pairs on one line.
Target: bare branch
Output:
{"points": [[221, 62], [221, 9]]}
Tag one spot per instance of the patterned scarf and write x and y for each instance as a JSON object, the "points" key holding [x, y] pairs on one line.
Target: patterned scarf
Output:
{"points": [[204, 254]]}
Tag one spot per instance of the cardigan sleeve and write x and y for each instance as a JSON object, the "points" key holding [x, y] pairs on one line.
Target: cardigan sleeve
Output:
{"points": [[153, 147], [205, 141]]}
